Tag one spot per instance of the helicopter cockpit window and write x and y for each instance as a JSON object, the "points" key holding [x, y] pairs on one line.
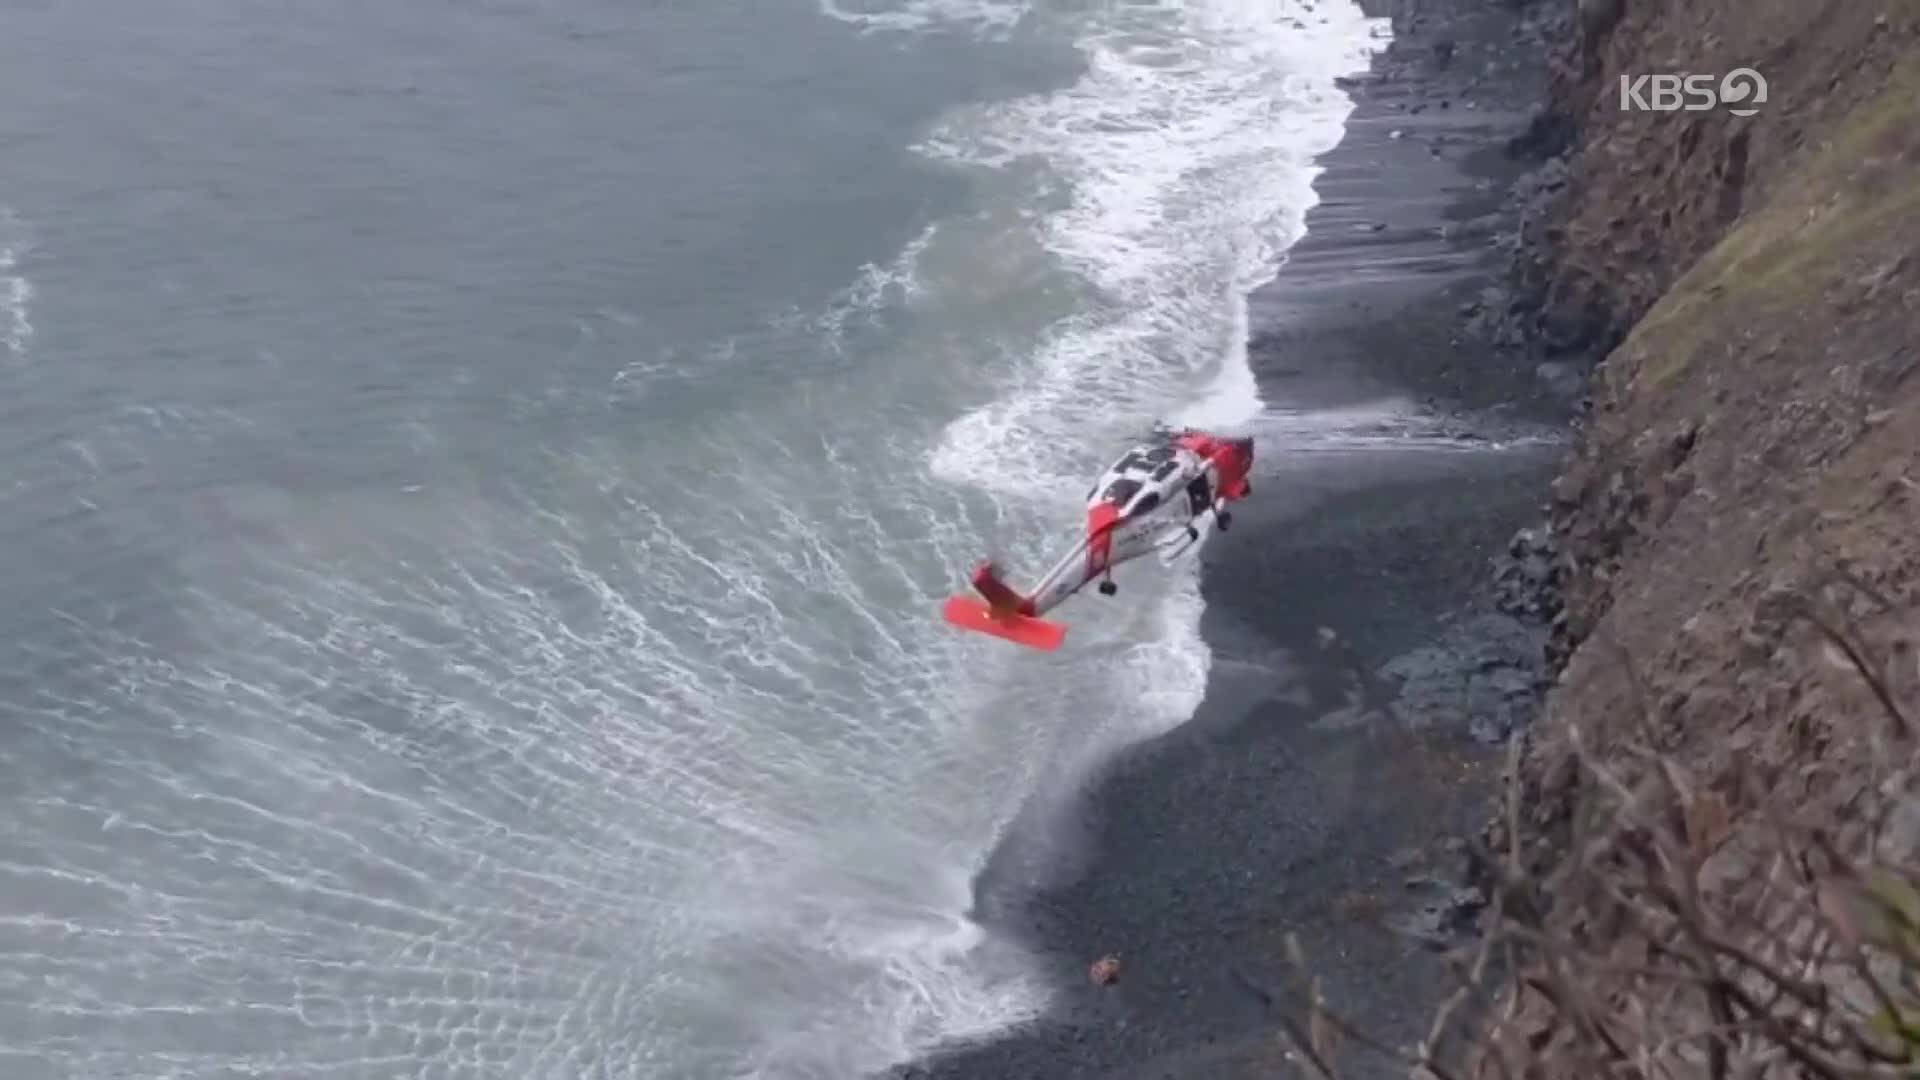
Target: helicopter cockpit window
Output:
{"points": [[1165, 470], [1120, 491], [1147, 502]]}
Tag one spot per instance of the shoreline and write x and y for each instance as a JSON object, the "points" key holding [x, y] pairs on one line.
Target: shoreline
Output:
{"points": [[1327, 783]]}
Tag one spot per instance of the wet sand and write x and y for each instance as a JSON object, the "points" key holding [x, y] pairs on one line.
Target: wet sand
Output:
{"points": [[1326, 782]]}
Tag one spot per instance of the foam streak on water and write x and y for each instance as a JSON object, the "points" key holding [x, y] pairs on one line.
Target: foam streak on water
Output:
{"points": [[986, 18], [16, 292], [448, 788]]}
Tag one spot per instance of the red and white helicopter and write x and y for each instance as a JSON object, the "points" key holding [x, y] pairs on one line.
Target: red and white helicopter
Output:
{"points": [[1158, 497]]}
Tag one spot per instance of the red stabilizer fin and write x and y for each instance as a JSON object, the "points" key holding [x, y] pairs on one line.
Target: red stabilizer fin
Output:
{"points": [[1000, 596], [968, 613]]}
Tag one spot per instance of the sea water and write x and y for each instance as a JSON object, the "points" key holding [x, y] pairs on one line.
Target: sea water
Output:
{"points": [[481, 478]]}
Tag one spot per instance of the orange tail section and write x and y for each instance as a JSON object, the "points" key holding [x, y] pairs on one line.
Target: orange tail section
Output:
{"points": [[1004, 613], [968, 613]]}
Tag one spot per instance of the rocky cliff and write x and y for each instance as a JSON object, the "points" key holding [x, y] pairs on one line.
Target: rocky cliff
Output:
{"points": [[1759, 427], [1726, 765]]}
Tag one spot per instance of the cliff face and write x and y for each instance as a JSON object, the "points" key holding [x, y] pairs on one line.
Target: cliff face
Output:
{"points": [[1741, 514], [1760, 425], [1654, 191]]}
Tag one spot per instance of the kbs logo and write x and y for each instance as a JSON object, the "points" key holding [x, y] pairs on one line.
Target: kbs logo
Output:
{"points": [[1740, 91]]}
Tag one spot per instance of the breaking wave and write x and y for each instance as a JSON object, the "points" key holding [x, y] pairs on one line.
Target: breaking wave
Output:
{"points": [[1186, 152]]}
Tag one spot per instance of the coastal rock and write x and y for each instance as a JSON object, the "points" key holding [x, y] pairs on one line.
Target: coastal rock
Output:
{"points": [[1482, 227], [1550, 131], [1484, 674], [1446, 921], [1528, 577], [1599, 17], [1562, 378], [1544, 307]]}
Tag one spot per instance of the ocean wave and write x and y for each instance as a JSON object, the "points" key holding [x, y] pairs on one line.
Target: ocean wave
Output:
{"points": [[1187, 150]]}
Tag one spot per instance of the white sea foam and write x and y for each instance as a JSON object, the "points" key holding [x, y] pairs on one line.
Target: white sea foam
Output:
{"points": [[1388, 424], [1188, 150], [875, 287], [986, 18], [16, 291]]}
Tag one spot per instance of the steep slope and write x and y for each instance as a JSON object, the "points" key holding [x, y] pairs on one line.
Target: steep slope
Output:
{"points": [[1732, 730]]}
